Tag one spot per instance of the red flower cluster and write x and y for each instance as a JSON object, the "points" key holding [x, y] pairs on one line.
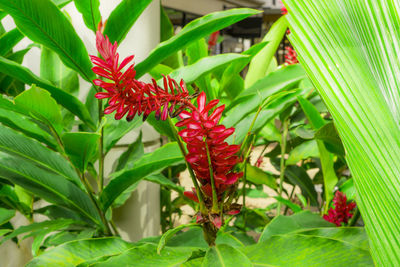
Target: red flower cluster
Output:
{"points": [[291, 56], [203, 129], [341, 213], [128, 95]]}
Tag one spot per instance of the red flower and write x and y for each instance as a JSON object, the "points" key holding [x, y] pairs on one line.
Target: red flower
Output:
{"points": [[129, 96], [284, 11], [291, 56], [341, 213], [212, 41], [202, 128]]}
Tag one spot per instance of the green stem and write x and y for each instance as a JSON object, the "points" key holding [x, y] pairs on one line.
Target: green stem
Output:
{"points": [[114, 227], [285, 128], [244, 194], [250, 128], [355, 217], [101, 148], [214, 189], [203, 208], [290, 198]]}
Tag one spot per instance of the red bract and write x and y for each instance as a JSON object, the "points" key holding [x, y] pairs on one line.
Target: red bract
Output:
{"points": [[341, 213], [212, 41], [284, 10], [129, 96], [202, 128], [291, 56]]}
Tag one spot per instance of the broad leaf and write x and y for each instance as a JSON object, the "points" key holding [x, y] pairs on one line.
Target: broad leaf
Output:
{"points": [[156, 161], [134, 152], [123, 17], [9, 40], [68, 101], [90, 12], [308, 149], [44, 23], [298, 176], [6, 215], [225, 255], [42, 107], [193, 31], [81, 148], [330, 136], [81, 251], [170, 233], [167, 31], [258, 176], [49, 186], [29, 149]]}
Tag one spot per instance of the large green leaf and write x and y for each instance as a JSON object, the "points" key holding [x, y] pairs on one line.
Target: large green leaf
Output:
{"points": [[167, 31], [225, 255], [308, 149], [6, 215], [193, 31], [350, 53], [44, 23], [77, 252], [170, 233], [258, 176], [68, 101], [81, 148], [156, 161], [298, 176], [90, 12], [49, 186], [289, 224], [134, 152], [123, 17], [259, 65], [9, 40], [8, 84], [41, 106], [31, 150], [307, 250], [146, 255]]}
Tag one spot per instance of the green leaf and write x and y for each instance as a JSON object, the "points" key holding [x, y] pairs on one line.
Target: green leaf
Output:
{"points": [[228, 239], [6, 215], [258, 176], [170, 233], [44, 23], [90, 12], [25, 125], [167, 31], [9, 40], [30, 150], [294, 207], [288, 224], [160, 70], [349, 189], [204, 66], [47, 185], [193, 31], [164, 181], [159, 159], [146, 255], [192, 238], [48, 226], [8, 84], [61, 3], [259, 65], [114, 130], [224, 255], [134, 152], [298, 176], [77, 252], [68, 101], [249, 100], [41, 106], [305, 150], [81, 148], [330, 136], [58, 74], [328, 169], [123, 17], [307, 250]]}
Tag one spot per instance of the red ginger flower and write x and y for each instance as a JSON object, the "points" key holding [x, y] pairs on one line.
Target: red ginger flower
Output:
{"points": [[291, 56], [202, 128], [341, 213], [128, 95]]}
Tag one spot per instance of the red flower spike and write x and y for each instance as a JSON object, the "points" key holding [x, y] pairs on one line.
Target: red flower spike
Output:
{"points": [[128, 96], [291, 56], [201, 127], [341, 212]]}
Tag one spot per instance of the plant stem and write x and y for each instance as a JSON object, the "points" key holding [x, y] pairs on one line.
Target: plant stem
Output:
{"points": [[244, 194], [214, 208], [285, 130], [203, 208], [290, 198], [250, 128], [114, 227], [101, 148]]}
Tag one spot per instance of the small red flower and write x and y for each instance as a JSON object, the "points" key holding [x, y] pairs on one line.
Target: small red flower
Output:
{"points": [[212, 41], [284, 10], [128, 96], [342, 211], [291, 56]]}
